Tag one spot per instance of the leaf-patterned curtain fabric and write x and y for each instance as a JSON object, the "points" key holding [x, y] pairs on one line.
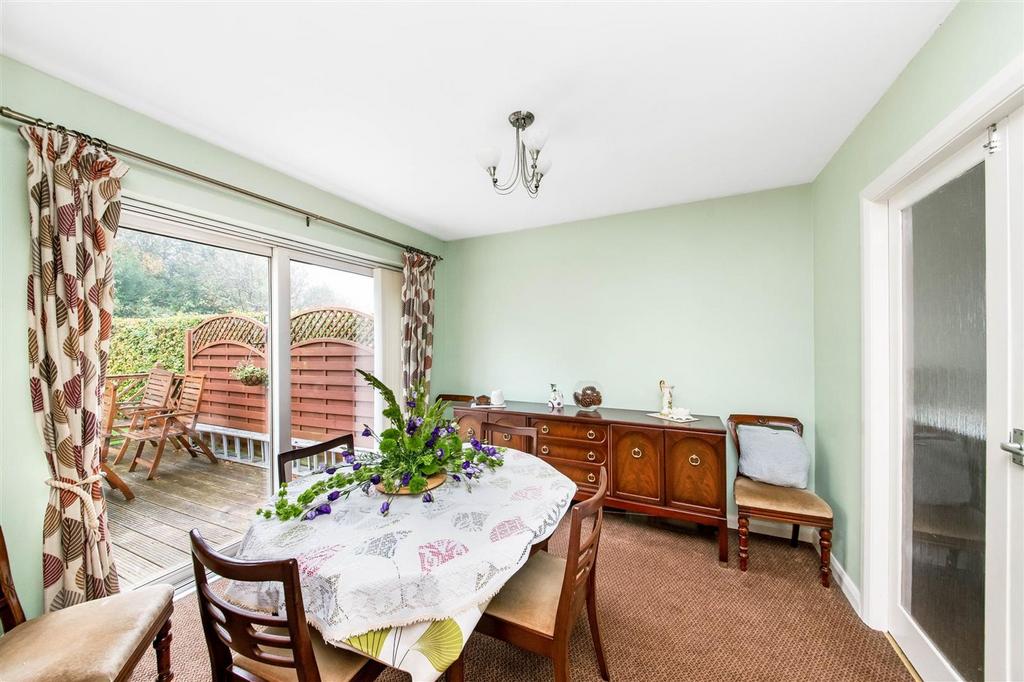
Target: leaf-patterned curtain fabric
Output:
{"points": [[417, 317], [74, 207]]}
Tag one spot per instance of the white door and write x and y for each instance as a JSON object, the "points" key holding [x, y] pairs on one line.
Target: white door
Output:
{"points": [[958, 556]]}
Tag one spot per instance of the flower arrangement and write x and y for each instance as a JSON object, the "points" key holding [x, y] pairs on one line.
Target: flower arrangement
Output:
{"points": [[250, 375], [420, 445]]}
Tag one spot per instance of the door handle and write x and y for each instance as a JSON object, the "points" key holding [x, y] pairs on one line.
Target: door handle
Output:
{"points": [[1015, 447]]}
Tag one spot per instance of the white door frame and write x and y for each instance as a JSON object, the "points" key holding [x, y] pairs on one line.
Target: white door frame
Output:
{"points": [[1003, 94]]}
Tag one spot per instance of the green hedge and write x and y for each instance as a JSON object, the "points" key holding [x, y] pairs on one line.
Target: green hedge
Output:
{"points": [[138, 343]]}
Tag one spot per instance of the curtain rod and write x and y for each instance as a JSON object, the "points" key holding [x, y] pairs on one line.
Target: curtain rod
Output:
{"points": [[7, 112]]}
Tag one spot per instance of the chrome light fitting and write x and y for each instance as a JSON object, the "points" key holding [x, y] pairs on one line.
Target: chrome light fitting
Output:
{"points": [[529, 167]]}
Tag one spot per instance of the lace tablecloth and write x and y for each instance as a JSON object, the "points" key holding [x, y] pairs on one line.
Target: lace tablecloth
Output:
{"points": [[408, 588]]}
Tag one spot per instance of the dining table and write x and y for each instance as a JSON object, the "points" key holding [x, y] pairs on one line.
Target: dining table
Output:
{"points": [[408, 587]]}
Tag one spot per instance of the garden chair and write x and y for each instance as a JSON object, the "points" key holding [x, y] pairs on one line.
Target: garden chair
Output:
{"points": [[156, 398], [107, 431], [177, 426]]}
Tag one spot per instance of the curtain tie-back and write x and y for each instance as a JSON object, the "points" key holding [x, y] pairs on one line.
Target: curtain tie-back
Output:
{"points": [[88, 506]]}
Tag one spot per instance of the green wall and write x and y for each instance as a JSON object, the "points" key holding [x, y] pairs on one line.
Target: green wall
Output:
{"points": [[714, 296], [22, 468], [972, 45]]}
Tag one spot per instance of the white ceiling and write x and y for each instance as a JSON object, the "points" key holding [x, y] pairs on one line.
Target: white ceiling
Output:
{"points": [[386, 104]]}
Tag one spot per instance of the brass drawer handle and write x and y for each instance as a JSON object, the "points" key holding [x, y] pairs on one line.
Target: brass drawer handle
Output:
{"points": [[506, 436], [591, 477], [544, 429], [470, 432], [591, 435], [591, 456], [694, 460], [545, 449], [638, 453]]}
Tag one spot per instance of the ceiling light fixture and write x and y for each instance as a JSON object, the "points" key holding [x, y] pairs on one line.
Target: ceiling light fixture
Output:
{"points": [[529, 168]]}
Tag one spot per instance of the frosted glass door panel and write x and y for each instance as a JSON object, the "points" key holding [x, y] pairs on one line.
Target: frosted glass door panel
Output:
{"points": [[943, 579]]}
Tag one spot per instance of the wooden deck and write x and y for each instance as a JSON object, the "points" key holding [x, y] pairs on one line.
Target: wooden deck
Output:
{"points": [[150, 533]]}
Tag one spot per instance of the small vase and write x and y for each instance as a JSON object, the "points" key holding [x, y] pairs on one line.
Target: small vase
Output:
{"points": [[432, 482], [588, 395]]}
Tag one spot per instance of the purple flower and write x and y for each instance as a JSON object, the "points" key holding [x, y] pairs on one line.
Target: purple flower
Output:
{"points": [[469, 474], [427, 497], [384, 508], [330, 470], [411, 427], [430, 443], [375, 479], [411, 403], [436, 432], [357, 466], [324, 508], [491, 450], [440, 453], [477, 445], [333, 495], [466, 464], [348, 457], [366, 488], [311, 514], [451, 429], [456, 477], [367, 431], [406, 478]]}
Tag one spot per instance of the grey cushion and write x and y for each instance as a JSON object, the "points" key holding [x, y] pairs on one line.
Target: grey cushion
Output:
{"points": [[776, 456]]}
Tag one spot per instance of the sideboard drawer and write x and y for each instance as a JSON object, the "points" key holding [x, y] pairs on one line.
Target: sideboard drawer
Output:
{"points": [[592, 433], [580, 452], [637, 464], [469, 423], [505, 440], [695, 472], [585, 476]]}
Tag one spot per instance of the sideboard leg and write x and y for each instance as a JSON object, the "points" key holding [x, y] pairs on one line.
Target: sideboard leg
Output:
{"points": [[723, 543], [744, 524]]}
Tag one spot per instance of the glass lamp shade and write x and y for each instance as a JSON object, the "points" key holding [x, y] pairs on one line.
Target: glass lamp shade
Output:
{"points": [[535, 137], [488, 157], [543, 165]]}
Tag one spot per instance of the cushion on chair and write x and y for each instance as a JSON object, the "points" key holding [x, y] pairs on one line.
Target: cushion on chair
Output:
{"points": [[335, 664], [776, 456], [530, 597], [757, 495], [90, 642]]}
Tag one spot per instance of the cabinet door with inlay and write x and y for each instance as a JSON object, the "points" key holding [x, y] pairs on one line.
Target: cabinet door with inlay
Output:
{"points": [[503, 439], [695, 472], [637, 464]]}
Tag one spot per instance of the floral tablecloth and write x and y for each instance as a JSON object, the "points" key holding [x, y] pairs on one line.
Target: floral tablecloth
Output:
{"points": [[408, 588]]}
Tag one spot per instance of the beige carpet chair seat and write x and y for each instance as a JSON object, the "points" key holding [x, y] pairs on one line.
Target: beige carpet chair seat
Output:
{"points": [[334, 663], [96, 641], [786, 501]]}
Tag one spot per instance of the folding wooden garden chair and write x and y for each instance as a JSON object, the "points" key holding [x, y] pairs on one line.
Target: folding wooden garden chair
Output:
{"points": [[156, 398], [107, 431], [177, 426]]}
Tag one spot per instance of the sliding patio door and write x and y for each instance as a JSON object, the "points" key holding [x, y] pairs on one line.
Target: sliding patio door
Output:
{"points": [[197, 304], [956, 578]]}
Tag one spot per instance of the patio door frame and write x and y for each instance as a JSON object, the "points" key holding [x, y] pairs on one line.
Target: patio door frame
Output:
{"points": [[881, 434], [148, 214]]}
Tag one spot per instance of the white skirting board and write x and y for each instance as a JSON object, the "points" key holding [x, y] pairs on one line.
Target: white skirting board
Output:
{"points": [[810, 535]]}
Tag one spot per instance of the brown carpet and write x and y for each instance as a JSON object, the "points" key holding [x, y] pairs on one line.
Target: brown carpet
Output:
{"points": [[668, 612]]}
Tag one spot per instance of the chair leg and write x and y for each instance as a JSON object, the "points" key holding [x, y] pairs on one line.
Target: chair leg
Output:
{"points": [[825, 540], [795, 540], [162, 645], [539, 547], [561, 661], [602, 665], [138, 455], [156, 460], [202, 446], [122, 451], [456, 672], [744, 527], [116, 481]]}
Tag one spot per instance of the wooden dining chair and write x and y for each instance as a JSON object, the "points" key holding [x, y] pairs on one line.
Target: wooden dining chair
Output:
{"points": [[537, 609], [253, 646], [510, 436], [102, 639], [178, 426], [795, 506], [107, 432], [346, 440]]}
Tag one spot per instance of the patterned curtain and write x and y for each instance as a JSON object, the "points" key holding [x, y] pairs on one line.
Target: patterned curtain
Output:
{"points": [[417, 317], [74, 192]]}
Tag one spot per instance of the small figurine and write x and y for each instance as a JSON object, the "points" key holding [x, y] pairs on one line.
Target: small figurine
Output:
{"points": [[666, 397], [556, 401]]}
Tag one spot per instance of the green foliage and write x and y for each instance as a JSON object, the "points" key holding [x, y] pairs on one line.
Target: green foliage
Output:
{"points": [[138, 344], [420, 443]]}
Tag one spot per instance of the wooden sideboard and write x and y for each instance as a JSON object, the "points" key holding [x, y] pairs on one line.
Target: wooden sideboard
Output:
{"points": [[654, 466]]}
